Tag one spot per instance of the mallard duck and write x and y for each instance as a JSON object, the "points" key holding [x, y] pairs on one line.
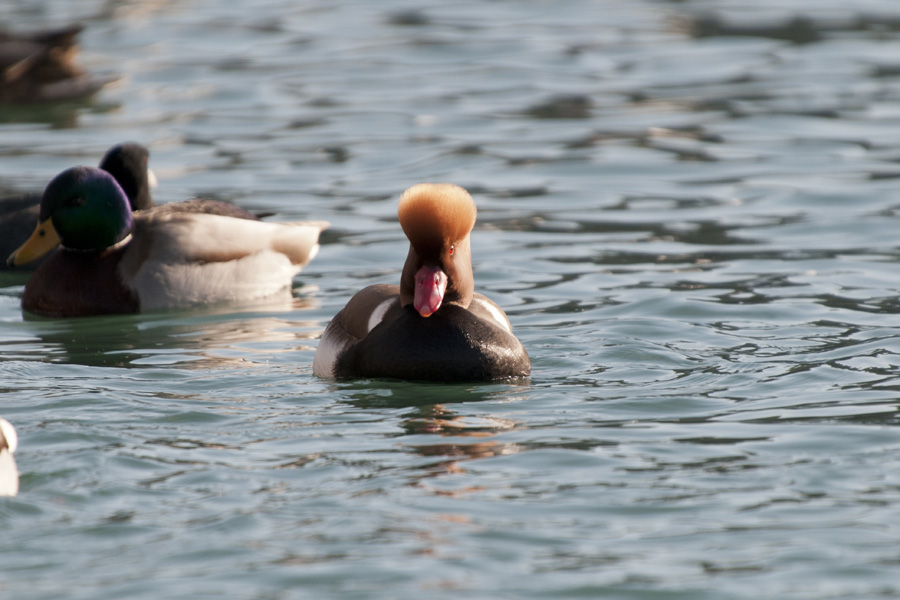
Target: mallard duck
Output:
{"points": [[9, 475], [116, 261], [433, 326], [126, 162], [41, 67]]}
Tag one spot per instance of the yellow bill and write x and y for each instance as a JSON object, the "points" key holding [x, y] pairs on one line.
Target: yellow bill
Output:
{"points": [[42, 240]]}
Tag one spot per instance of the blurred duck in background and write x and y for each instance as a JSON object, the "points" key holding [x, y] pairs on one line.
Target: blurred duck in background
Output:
{"points": [[9, 475], [41, 66]]}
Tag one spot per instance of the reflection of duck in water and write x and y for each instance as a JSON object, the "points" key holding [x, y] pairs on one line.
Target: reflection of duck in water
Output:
{"points": [[113, 261], [433, 326], [202, 338], [471, 437], [126, 162], [41, 67], [9, 475]]}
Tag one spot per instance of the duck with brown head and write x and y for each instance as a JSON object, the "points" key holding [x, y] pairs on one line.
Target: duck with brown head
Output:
{"points": [[433, 326]]}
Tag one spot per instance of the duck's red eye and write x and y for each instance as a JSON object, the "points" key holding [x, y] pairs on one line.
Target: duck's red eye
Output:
{"points": [[451, 249]]}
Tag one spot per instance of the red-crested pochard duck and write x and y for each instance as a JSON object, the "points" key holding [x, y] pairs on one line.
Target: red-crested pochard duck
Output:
{"points": [[433, 326]]}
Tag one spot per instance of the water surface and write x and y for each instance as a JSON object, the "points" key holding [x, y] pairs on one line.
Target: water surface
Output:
{"points": [[688, 209]]}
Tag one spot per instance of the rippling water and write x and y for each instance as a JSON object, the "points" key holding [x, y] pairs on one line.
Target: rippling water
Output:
{"points": [[689, 210]]}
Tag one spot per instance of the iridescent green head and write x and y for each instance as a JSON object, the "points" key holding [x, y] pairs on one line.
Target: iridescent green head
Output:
{"points": [[87, 208]]}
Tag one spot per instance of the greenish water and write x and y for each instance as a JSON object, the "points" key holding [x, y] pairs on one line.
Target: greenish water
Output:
{"points": [[688, 209]]}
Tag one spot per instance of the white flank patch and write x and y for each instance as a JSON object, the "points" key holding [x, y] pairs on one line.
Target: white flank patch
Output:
{"points": [[203, 259], [326, 356], [496, 313], [378, 314]]}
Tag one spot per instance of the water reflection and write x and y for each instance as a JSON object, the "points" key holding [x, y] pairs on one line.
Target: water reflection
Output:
{"points": [[58, 115], [211, 337], [381, 394], [434, 429], [440, 421]]}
